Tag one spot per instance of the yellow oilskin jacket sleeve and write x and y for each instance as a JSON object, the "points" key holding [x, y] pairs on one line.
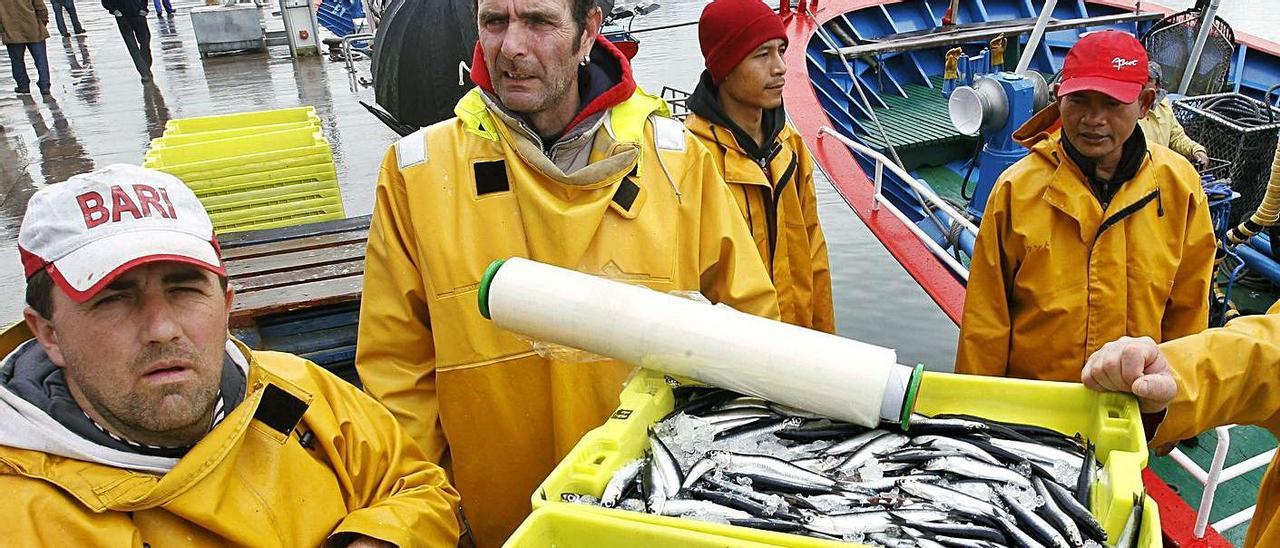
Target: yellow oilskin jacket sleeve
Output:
{"points": [[824, 316], [1186, 312], [1227, 376], [732, 271], [402, 498], [1179, 141], [986, 324], [396, 355]]}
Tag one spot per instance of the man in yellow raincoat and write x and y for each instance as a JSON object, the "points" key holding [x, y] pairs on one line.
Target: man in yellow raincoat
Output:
{"points": [[1187, 386], [556, 156], [737, 114], [132, 419], [1161, 126], [1095, 235]]}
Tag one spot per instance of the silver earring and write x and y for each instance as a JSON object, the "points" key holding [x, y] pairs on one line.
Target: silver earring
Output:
{"points": [[585, 60]]}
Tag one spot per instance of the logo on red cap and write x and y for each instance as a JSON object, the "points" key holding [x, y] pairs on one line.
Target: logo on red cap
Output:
{"points": [[1120, 63]]}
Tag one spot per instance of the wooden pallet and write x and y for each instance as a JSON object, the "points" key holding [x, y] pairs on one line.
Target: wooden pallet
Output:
{"points": [[298, 289]]}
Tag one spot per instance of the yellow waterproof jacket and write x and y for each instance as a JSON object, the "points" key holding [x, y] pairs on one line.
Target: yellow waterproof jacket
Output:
{"points": [[1054, 277], [650, 209], [1161, 127], [781, 209], [1228, 376], [252, 481]]}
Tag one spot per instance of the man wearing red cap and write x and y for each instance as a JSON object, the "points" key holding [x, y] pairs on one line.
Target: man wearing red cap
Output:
{"points": [[1095, 235], [738, 116], [130, 418], [558, 157]]}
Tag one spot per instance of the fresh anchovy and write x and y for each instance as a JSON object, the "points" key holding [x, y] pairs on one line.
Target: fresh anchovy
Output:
{"points": [[921, 455], [886, 483], [963, 542], [774, 472], [768, 524], [962, 531], [681, 507], [730, 424], [1084, 484], [651, 487], [1133, 526], [668, 467], [734, 414], [941, 442], [971, 468], [882, 444], [1089, 525], [768, 426], [1052, 513], [793, 412], [814, 432], [698, 470], [862, 523], [1042, 453], [697, 405], [855, 443], [744, 402], [1038, 527], [1017, 537], [619, 482], [738, 501], [948, 425], [952, 499]]}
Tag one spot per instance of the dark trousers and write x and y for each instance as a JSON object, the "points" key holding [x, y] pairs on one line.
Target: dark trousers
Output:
{"points": [[168, 7], [137, 38], [18, 61], [70, 5]]}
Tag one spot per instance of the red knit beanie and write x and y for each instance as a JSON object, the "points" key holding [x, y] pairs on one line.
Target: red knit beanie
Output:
{"points": [[730, 29]]}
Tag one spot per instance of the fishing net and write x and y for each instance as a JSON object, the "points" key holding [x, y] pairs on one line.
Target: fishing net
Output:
{"points": [[1170, 41]]}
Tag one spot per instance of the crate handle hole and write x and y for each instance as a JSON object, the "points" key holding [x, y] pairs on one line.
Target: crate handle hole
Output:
{"points": [[1112, 413], [599, 460]]}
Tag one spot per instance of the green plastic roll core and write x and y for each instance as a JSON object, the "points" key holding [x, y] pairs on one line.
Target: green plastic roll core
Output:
{"points": [[485, 282], [913, 390]]}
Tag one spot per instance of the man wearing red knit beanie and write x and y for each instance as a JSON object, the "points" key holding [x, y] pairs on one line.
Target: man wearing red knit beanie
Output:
{"points": [[738, 116]]}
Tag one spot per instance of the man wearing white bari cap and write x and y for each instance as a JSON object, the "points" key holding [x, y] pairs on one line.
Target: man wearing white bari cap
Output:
{"points": [[128, 416]]}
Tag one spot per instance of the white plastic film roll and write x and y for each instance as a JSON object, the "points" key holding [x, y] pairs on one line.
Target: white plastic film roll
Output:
{"points": [[818, 372]]}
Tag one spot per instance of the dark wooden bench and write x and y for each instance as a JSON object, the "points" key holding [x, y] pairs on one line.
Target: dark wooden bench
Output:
{"points": [[298, 289]]}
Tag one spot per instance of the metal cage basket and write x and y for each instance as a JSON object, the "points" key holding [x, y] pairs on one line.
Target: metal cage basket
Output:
{"points": [[1239, 130]]}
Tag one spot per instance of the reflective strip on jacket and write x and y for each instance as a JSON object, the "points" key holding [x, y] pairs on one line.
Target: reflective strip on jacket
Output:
{"points": [[247, 483], [649, 209], [1054, 277], [1228, 376], [781, 209]]}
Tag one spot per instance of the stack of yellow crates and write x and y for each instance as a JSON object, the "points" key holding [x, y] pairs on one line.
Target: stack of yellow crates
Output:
{"points": [[253, 170]]}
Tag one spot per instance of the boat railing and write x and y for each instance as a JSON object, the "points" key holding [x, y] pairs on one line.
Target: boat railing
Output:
{"points": [[677, 100], [1215, 475], [925, 192]]}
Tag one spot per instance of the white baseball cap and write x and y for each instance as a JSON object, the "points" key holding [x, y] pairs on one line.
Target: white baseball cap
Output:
{"points": [[90, 229]]}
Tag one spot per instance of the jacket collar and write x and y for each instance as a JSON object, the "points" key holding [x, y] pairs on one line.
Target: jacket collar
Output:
{"points": [[705, 102], [603, 83]]}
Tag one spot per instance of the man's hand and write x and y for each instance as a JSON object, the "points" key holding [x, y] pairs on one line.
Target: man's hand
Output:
{"points": [[1201, 158], [1135, 366]]}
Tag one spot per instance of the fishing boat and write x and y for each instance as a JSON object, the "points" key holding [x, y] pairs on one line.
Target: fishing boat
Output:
{"points": [[869, 88]]}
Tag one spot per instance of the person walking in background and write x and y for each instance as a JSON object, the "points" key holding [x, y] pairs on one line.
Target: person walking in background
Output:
{"points": [[168, 8], [22, 29], [70, 6], [131, 17]]}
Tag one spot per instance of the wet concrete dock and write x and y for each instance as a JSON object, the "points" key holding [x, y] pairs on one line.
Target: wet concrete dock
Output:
{"points": [[100, 113]]}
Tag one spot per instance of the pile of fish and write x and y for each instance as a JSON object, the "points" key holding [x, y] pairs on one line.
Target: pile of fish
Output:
{"points": [[949, 481]]}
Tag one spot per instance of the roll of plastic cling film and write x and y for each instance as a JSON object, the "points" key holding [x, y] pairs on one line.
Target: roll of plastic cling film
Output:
{"points": [[818, 372]]}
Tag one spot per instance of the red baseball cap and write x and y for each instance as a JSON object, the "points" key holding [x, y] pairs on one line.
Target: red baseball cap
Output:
{"points": [[1110, 62]]}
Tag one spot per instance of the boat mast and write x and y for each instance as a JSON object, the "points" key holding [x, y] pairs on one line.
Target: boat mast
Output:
{"points": [[1037, 34], [1207, 17]]}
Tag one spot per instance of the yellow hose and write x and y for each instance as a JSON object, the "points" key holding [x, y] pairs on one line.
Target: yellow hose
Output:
{"points": [[1268, 212]]}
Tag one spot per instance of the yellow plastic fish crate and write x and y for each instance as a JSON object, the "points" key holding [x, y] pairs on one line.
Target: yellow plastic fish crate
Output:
{"points": [[249, 164], [242, 119], [560, 527], [282, 142], [1111, 421], [285, 213], [172, 139]]}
